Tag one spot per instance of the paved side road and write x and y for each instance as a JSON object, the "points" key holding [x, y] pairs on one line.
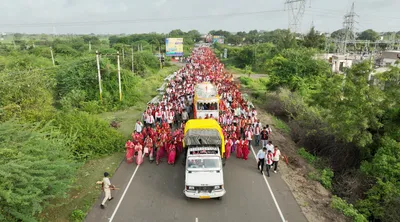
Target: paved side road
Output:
{"points": [[156, 194]]}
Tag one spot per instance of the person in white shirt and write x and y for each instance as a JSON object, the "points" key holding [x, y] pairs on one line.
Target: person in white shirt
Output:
{"points": [[261, 159], [138, 126], [107, 186], [270, 146], [275, 158]]}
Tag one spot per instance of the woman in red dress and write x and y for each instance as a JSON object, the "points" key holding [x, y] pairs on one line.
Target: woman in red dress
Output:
{"points": [[228, 147], [245, 149], [160, 151], [130, 151], [172, 154]]}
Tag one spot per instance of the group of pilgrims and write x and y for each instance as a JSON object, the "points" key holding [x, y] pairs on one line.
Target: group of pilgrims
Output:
{"points": [[159, 134]]}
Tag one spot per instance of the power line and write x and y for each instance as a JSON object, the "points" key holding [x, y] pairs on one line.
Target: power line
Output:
{"points": [[84, 23]]}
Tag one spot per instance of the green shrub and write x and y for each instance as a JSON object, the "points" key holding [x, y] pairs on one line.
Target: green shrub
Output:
{"points": [[245, 80], [94, 137], [35, 167], [347, 209], [78, 215], [311, 159], [281, 125], [326, 178]]}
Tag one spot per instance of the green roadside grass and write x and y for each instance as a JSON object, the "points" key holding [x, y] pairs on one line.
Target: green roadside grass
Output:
{"points": [[84, 191]]}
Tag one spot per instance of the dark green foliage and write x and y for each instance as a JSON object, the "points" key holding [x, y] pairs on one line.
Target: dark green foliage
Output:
{"points": [[35, 166], [94, 137], [296, 69]]}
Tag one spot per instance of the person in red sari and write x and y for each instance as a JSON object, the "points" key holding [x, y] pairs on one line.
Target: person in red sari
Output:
{"points": [[160, 151], [245, 149], [239, 153], [172, 154], [228, 147], [148, 145], [139, 157], [130, 151]]}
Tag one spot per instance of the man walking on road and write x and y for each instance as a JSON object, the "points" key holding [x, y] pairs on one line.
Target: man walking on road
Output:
{"points": [[107, 189], [138, 126], [276, 155], [264, 137], [270, 146], [261, 159]]}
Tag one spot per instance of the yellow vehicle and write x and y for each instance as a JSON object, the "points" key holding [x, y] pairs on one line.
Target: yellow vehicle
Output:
{"points": [[204, 146], [206, 101]]}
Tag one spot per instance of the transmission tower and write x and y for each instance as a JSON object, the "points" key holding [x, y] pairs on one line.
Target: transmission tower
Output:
{"points": [[349, 29], [296, 10]]}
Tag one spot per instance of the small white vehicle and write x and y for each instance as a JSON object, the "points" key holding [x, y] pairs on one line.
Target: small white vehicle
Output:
{"points": [[204, 177], [204, 147]]}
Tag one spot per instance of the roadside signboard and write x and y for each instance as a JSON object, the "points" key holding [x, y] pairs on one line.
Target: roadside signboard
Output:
{"points": [[174, 46]]}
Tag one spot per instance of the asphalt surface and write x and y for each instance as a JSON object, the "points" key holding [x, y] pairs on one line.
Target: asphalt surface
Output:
{"points": [[155, 194]]}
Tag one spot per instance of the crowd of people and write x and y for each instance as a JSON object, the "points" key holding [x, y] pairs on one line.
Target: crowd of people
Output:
{"points": [[160, 132]]}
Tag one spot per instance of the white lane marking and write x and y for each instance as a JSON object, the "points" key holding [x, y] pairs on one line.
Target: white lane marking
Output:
{"points": [[269, 188], [126, 189], [197, 219]]}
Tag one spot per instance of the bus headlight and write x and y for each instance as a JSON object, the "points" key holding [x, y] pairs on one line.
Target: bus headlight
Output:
{"points": [[189, 188], [218, 187]]}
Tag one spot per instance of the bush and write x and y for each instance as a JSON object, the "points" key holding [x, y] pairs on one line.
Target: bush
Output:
{"points": [[35, 166], [78, 215], [94, 136], [326, 178], [347, 209], [311, 159], [245, 80]]}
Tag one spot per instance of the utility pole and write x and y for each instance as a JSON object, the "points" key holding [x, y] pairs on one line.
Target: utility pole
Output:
{"points": [[159, 51], [296, 10], [348, 26], [90, 46], [119, 78], [52, 56], [133, 67], [99, 75]]}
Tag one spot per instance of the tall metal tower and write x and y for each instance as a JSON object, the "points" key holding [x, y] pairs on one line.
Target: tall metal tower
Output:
{"points": [[296, 10], [349, 29]]}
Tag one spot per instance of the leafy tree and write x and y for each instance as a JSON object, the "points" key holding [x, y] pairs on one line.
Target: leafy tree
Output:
{"points": [[338, 34], [294, 67], [385, 168], [176, 33], [368, 34], [35, 166], [314, 39], [355, 110], [26, 95]]}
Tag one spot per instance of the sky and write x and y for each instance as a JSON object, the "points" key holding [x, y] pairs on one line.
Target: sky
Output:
{"points": [[142, 16]]}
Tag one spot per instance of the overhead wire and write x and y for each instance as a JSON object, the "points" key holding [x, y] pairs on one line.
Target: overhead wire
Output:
{"points": [[84, 23]]}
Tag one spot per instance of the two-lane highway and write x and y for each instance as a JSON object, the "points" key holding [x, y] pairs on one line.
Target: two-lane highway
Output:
{"points": [[156, 194]]}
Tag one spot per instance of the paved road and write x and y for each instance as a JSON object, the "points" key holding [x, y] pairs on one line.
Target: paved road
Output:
{"points": [[156, 195]]}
